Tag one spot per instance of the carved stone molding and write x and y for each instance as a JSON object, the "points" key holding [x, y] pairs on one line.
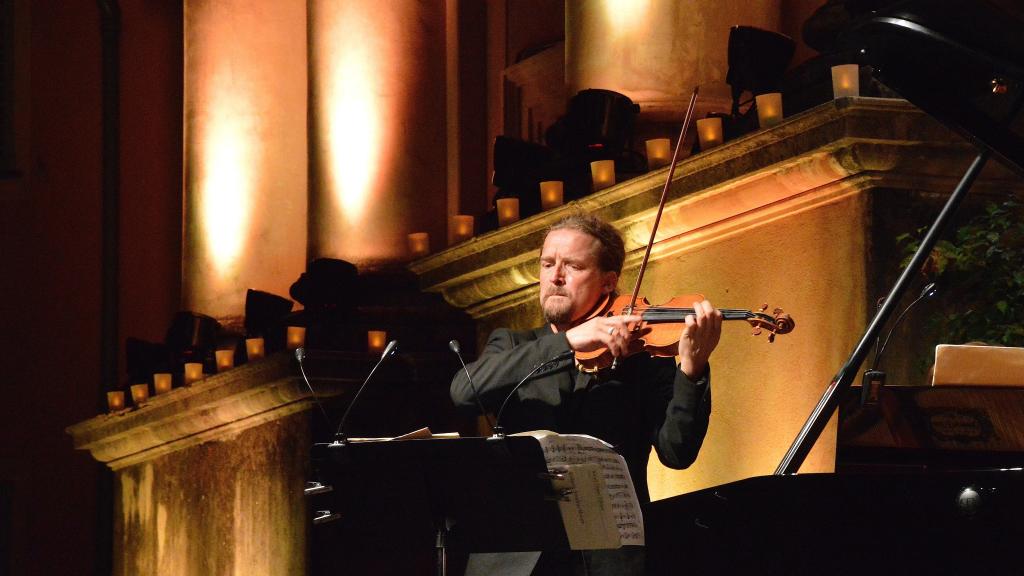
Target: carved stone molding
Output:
{"points": [[818, 157]]}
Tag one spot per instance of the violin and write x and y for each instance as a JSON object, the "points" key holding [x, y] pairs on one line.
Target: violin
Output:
{"points": [[662, 325]]}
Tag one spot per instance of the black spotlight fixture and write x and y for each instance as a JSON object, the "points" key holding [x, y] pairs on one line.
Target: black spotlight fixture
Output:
{"points": [[265, 315], [757, 62], [192, 337]]}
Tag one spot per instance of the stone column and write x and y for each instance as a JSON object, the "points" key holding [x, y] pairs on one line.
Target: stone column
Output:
{"points": [[377, 128], [245, 152], [656, 51]]}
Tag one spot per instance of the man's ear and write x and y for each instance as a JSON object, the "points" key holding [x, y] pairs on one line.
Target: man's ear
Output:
{"points": [[609, 282]]}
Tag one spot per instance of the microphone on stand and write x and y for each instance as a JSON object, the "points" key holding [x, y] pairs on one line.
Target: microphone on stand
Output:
{"points": [[874, 378], [300, 355], [499, 432], [454, 347], [389, 350]]}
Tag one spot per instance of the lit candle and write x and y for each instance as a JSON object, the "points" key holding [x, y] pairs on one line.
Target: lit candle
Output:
{"points": [[115, 400], [602, 173], [193, 372], [419, 244], [659, 152], [296, 337], [709, 132], [846, 80], [769, 109], [376, 340], [161, 382], [551, 192], [225, 359], [254, 348], [140, 393], [463, 228], [508, 211]]}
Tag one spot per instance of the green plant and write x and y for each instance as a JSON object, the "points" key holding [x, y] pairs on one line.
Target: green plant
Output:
{"points": [[981, 272]]}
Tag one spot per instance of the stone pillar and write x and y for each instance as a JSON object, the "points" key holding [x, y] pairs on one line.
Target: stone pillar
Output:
{"points": [[377, 128], [656, 51], [245, 152]]}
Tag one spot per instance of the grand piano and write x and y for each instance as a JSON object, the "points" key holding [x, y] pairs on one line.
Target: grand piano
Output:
{"points": [[910, 505]]}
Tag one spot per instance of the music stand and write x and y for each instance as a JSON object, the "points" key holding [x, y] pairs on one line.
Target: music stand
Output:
{"points": [[479, 494]]}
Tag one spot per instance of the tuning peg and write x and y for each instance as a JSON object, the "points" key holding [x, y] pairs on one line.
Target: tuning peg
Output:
{"points": [[777, 311], [757, 331], [763, 307]]}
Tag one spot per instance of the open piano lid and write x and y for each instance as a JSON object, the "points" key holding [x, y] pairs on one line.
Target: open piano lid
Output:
{"points": [[961, 61]]}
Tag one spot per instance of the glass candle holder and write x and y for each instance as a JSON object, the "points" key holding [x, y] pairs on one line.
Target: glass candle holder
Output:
{"points": [[659, 152], [193, 372], [254, 348], [115, 400], [709, 132], [463, 228], [846, 80], [140, 394], [419, 244], [551, 194], [225, 359], [295, 337], [162, 383], [769, 109], [508, 211], [376, 340], [602, 173]]}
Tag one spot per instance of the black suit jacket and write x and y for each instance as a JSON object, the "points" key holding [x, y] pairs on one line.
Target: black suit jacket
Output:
{"points": [[645, 402]]}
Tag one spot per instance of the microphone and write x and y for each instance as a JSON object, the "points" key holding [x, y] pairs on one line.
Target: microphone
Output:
{"points": [[389, 350], [875, 378], [547, 364], [454, 347], [300, 355]]}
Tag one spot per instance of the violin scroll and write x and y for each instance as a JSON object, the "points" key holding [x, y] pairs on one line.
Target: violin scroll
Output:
{"points": [[776, 323]]}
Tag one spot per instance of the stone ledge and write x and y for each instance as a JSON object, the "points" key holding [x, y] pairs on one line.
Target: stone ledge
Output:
{"points": [[215, 408], [840, 147]]}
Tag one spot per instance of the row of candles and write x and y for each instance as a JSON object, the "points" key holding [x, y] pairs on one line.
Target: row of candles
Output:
{"points": [[255, 349], [845, 82]]}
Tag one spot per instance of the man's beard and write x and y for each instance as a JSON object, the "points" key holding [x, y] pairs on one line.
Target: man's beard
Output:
{"points": [[558, 311]]}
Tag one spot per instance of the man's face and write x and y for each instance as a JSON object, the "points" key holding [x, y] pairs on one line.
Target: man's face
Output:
{"points": [[571, 282]]}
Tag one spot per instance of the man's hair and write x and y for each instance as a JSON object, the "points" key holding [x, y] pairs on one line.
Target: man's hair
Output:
{"points": [[612, 252]]}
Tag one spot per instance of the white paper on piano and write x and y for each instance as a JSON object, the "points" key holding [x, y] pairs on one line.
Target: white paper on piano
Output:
{"points": [[603, 510]]}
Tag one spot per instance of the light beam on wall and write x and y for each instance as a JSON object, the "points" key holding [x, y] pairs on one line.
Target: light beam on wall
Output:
{"points": [[354, 133], [227, 182], [626, 18]]}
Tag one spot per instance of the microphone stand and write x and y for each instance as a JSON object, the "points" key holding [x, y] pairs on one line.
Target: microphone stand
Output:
{"points": [[842, 381]]}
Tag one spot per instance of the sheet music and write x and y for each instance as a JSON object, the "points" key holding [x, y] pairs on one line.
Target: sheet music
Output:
{"points": [[563, 450]]}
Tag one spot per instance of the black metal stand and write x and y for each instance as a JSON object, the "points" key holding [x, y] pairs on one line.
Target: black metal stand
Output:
{"points": [[842, 381], [475, 494]]}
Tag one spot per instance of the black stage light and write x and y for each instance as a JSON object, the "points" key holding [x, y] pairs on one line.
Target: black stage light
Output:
{"points": [[192, 338], [264, 318], [757, 61]]}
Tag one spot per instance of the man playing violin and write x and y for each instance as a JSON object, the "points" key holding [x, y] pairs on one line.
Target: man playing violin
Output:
{"points": [[642, 402]]}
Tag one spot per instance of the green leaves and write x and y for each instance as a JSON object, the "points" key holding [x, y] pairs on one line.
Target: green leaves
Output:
{"points": [[981, 270]]}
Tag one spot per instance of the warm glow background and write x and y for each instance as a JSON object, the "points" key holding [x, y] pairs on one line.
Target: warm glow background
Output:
{"points": [[245, 152], [656, 51], [377, 69]]}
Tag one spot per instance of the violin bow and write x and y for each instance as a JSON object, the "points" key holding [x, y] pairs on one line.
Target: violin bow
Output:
{"points": [[661, 206]]}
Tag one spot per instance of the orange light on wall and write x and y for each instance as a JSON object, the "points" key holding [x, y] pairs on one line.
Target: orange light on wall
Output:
{"points": [[377, 109], [245, 151]]}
